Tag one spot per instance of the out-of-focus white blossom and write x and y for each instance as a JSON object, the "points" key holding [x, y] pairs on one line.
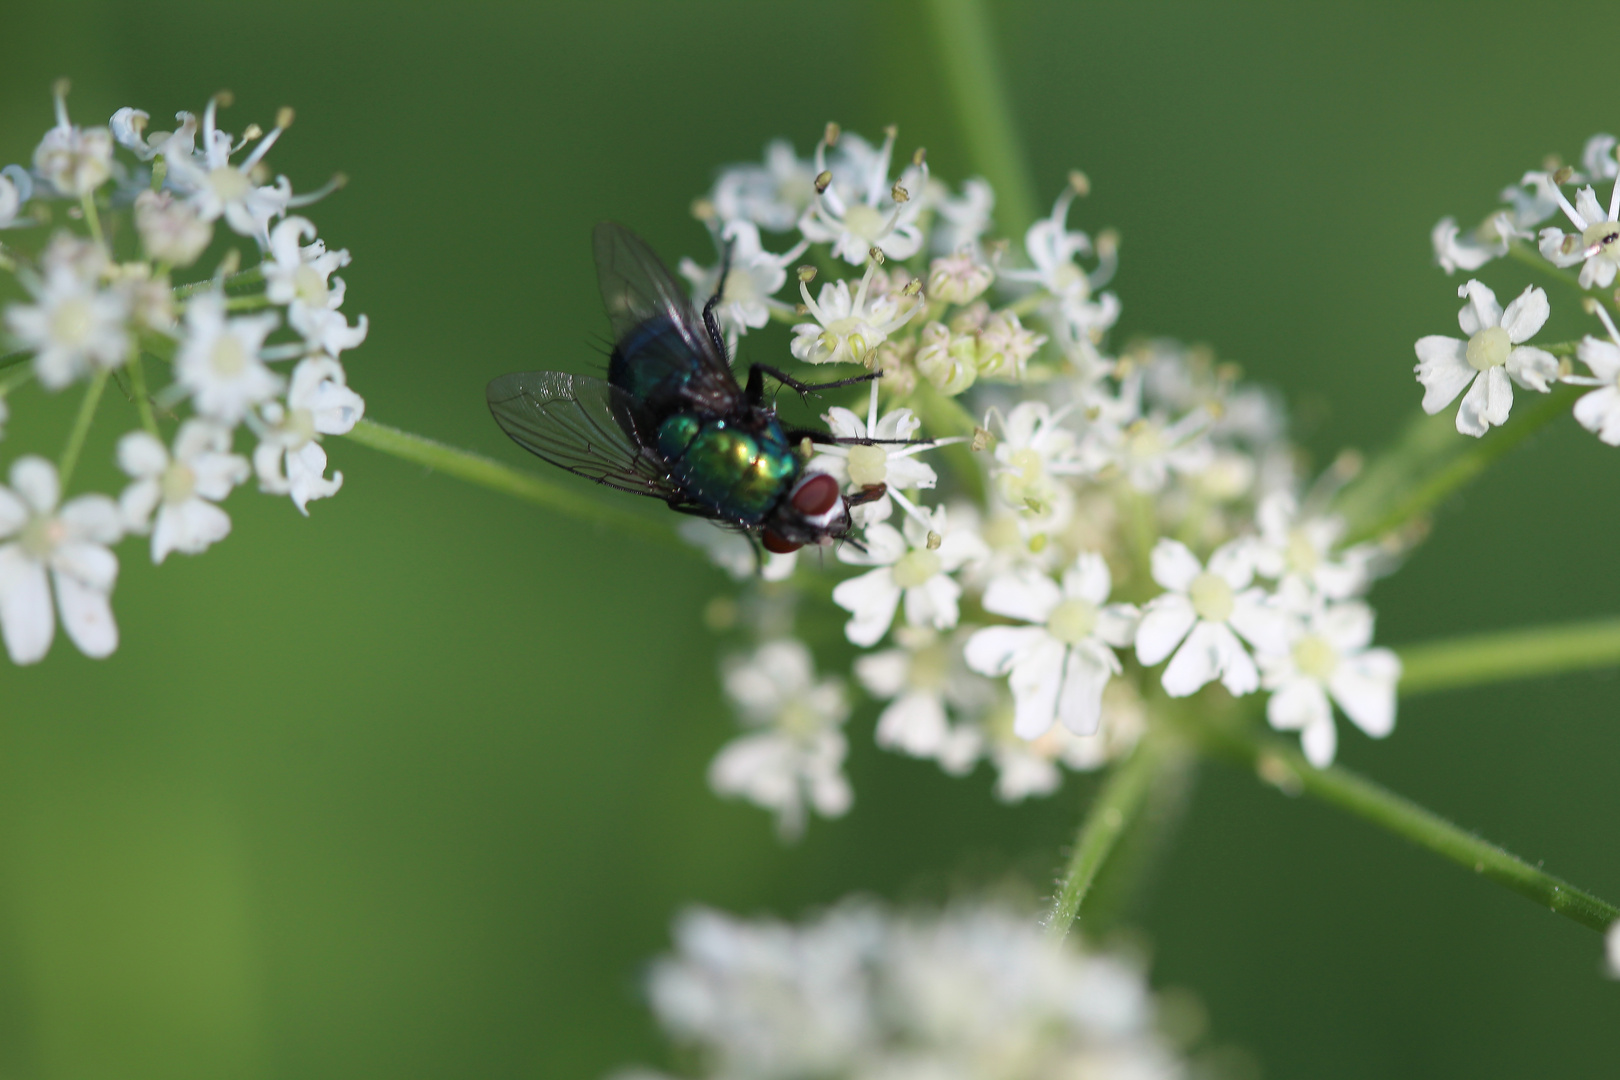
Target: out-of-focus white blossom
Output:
{"points": [[975, 992], [861, 209], [171, 230], [1330, 657], [218, 362], [181, 488], [1058, 666], [1200, 616], [915, 565], [76, 324], [46, 549], [289, 459], [73, 160], [793, 756], [753, 278]]}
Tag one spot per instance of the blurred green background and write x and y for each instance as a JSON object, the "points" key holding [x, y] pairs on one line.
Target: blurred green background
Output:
{"points": [[412, 788]]}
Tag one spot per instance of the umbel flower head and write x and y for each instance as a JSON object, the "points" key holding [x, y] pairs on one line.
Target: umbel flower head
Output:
{"points": [[975, 992], [88, 318]]}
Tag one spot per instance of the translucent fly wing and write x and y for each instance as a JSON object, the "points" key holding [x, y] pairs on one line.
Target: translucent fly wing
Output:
{"points": [[636, 286], [587, 426], [638, 289]]}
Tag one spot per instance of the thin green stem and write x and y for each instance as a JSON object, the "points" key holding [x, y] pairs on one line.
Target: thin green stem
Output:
{"points": [[13, 359], [1533, 259], [1431, 462], [1482, 659], [965, 45], [250, 276], [491, 474], [1117, 804], [1279, 763], [143, 400], [81, 427], [92, 218]]}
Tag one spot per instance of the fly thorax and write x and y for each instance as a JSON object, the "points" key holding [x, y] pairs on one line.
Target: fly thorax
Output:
{"points": [[71, 321], [916, 567], [1211, 597], [1315, 657], [178, 483], [1603, 238], [41, 536], [868, 465], [1072, 621], [1489, 348]]}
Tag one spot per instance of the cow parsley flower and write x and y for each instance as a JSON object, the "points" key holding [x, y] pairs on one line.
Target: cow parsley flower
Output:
{"points": [[849, 326], [1037, 458], [1596, 246], [1330, 657], [1203, 611], [860, 209], [1599, 411], [771, 195], [975, 991], [218, 361], [218, 188], [916, 565], [1492, 359], [889, 460], [289, 459], [171, 230], [1059, 666], [55, 549], [963, 219], [1053, 250], [924, 681], [753, 278], [181, 488], [795, 754], [1292, 547], [73, 160], [1456, 252], [75, 324]]}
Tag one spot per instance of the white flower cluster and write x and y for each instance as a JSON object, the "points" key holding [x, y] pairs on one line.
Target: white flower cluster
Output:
{"points": [[973, 992], [102, 305], [1493, 356], [1109, 512]]}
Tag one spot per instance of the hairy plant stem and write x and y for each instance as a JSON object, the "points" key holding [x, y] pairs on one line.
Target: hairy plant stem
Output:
{"points": [[1115, 807], [1431, 461], [81, 427], [1234, 740], [1482, 659], [965, 47], [143, 399], [251, 276], [519, 483]]}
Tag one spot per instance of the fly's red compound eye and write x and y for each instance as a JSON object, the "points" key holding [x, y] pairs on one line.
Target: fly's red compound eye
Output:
{"points": [[816, 495], [776, 544]]}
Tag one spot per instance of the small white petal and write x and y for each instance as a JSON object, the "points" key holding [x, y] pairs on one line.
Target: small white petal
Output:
{"points": [[1320, 742], [140, 454], [86, 616], [1298, 704], [1035, 682], [871, 599], [1198, 661], [1024, 594], [1526, 315], [994, 650], [1532, 368], [1080, 704], [34, 479], [1364, 687], [914, 724], [1165, 621], [1089, 579], [1174, 565], [26, 617], [1443, 369]]}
